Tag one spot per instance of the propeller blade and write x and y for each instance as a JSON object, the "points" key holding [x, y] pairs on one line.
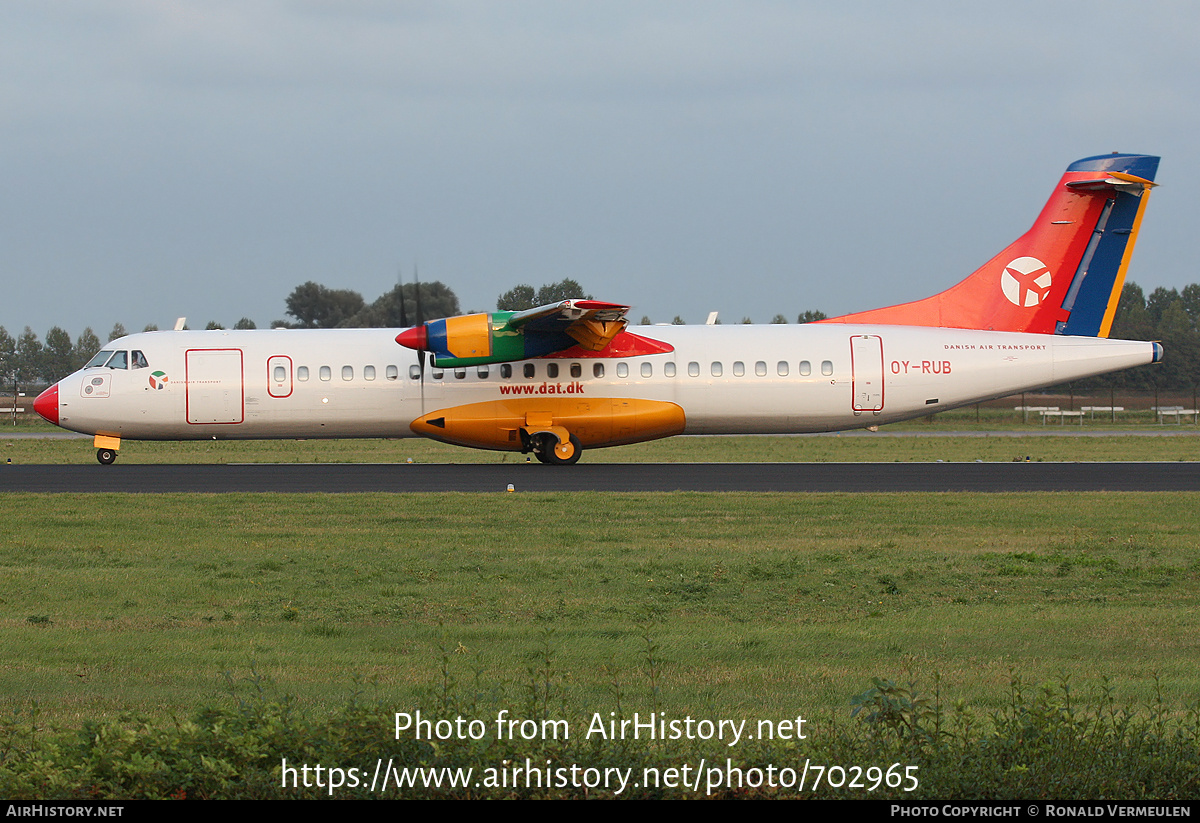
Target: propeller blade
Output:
{"points": [[417, 294], [403, 312], [421, 360]]}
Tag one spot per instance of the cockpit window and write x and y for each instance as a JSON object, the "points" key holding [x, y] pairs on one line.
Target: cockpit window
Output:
{"points": [[99, 360], [138, 361], [120, 360]]}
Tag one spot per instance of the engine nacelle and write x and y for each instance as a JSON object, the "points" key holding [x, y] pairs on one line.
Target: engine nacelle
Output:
{"points": [[468, 340]]}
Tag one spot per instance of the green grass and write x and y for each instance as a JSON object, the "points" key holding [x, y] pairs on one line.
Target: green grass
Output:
{"points": [[794, 448], [765, 603], [178, 645], [115, 607], [1000, 435]]}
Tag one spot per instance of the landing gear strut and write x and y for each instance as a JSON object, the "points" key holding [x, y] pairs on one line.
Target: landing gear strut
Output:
{"points": [[106, 456]]}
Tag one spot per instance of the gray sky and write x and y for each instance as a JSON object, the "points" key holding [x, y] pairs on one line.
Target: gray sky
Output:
{"points": [[204, 158]]}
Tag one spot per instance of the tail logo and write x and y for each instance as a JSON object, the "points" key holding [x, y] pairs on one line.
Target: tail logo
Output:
{"points": [[1026, 281]]}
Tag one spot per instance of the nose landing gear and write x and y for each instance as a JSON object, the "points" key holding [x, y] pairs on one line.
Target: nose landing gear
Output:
{"points": [[106, 448]]}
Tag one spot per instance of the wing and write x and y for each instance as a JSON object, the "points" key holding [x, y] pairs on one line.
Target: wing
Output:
{"points": [[590, 323]]}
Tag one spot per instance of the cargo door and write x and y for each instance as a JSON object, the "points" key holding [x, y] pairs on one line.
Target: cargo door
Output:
{"points": [[866, 363], [214, 386]]}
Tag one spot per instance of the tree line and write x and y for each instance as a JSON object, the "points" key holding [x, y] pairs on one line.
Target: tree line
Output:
{"points": [[1169, 316]]}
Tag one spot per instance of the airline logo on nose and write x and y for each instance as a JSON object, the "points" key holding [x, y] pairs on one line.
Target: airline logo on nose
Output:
{"points": [[158, 380], [1026, 281]]}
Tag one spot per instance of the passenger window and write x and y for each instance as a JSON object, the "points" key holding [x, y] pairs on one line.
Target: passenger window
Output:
{"points": [[393, 372], [576, 370], [530, 370], [669, 369], [647, 370], [326, 373], [782, 368], [368, 372], [760, 368], [347, 372], [739, 368], [482, 371], [552, 370], [280, 374], [622, 370], [414, 372], [805, 368], [506, 370], [138, 361], [437, 374], [460, 374], [120, 360], [302, 373], [716, 369], [693, 369], [826, 367], [597, 370]]}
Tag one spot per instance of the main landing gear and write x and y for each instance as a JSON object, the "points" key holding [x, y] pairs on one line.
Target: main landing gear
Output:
{"points": [[554, 452], [106, 456]]}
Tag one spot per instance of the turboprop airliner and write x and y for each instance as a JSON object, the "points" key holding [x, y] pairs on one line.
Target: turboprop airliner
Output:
{"points": [[559, 379]]}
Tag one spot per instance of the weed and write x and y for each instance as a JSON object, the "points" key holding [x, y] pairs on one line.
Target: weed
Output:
{"points": [[1047, 741], [546, 683]]}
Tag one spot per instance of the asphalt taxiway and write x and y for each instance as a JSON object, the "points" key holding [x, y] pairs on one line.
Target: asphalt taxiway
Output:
{"points": [[610, 477]]}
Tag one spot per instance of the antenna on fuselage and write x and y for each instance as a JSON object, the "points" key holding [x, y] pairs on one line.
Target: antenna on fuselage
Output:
{"points": [[180, 323]]}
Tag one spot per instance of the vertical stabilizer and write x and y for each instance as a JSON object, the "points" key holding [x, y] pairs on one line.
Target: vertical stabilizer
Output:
{"points": [[1064, 275]]}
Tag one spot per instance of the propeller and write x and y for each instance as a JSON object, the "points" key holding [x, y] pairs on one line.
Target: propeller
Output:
{"points": [[420, 322], [403, 311]]}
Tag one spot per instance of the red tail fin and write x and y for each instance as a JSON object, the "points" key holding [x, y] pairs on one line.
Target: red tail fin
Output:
{"points": [[1064, 275]]}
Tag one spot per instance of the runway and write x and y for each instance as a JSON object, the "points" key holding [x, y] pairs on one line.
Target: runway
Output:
{"points": [[657, 477]]}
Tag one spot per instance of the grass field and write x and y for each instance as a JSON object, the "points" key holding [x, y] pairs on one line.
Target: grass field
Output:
{"points": [[718, 603], [796, 448], [992, 432]]}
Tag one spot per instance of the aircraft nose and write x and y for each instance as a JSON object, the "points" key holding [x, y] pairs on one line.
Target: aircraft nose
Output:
{"points": [[46, 404]]}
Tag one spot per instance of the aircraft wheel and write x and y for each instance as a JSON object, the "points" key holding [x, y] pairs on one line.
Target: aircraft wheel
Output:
{"points": [[106, 456], [562, 454]]}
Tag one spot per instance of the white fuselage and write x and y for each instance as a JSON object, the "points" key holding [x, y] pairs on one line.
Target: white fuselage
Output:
{"points": [[727, 379]]}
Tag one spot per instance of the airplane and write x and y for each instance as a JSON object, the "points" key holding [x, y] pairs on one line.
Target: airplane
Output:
{"points": [[559, 379]]}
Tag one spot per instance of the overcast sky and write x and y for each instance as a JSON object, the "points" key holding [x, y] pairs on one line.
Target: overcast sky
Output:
{"points": [[204, 158]]}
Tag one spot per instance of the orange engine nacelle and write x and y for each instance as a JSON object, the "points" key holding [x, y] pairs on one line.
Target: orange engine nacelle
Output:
{"points": [[499, 424]]}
